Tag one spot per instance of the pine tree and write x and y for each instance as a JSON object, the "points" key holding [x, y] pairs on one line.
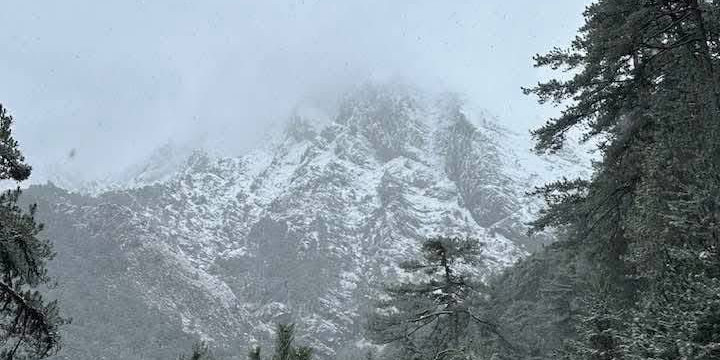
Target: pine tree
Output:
{"points": [[200, 351], [303, 353], [284, 345], [644, 85], [536, 301], [285, 337], [430, 315], [254, 353], [29, 329]]}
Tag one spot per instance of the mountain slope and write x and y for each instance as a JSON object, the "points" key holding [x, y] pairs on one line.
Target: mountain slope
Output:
{"points": [[304, 230]]}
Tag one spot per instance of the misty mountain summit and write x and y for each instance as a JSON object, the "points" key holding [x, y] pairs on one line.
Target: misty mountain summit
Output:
{"points": [[302, 230]]}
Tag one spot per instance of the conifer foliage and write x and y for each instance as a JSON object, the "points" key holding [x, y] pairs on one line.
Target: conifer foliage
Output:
{"points": [[200, 351], [644, 86], [254, 353], [285, 345], [28, 323], [285, 348], [431, 314]]}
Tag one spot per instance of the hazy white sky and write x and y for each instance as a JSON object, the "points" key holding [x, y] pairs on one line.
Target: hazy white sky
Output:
{"points": [[114, 79]]}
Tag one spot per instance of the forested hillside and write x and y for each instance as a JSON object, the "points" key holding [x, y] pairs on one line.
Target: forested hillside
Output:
{"points": [[635, 273]]}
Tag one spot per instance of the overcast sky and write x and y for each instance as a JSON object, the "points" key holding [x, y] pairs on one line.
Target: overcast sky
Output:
{"points": [[108, 81]]}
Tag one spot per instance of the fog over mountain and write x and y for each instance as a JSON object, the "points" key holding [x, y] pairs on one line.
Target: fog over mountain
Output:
{"points": [[225, 166], [304, 229], [93, 81]]}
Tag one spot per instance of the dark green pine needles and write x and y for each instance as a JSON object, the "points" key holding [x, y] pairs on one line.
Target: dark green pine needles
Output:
{"points": [[435, 311], [29, 325], [643, 234]]}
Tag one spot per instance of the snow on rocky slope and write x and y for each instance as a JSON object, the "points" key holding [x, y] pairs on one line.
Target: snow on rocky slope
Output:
{"points": [[305, 229]]}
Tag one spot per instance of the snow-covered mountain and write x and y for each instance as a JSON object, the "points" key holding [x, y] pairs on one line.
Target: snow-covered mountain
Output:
{"points": [[305, 229]]}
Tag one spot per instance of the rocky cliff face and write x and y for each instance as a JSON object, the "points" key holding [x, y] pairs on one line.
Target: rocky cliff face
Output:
{"points": [[305, 230]]}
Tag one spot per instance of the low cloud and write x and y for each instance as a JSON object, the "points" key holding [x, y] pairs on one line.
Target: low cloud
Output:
{"points": [[95, 86]]}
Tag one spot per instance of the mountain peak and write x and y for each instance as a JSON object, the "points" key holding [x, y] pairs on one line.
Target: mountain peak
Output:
{"points": [[306, 227]]}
